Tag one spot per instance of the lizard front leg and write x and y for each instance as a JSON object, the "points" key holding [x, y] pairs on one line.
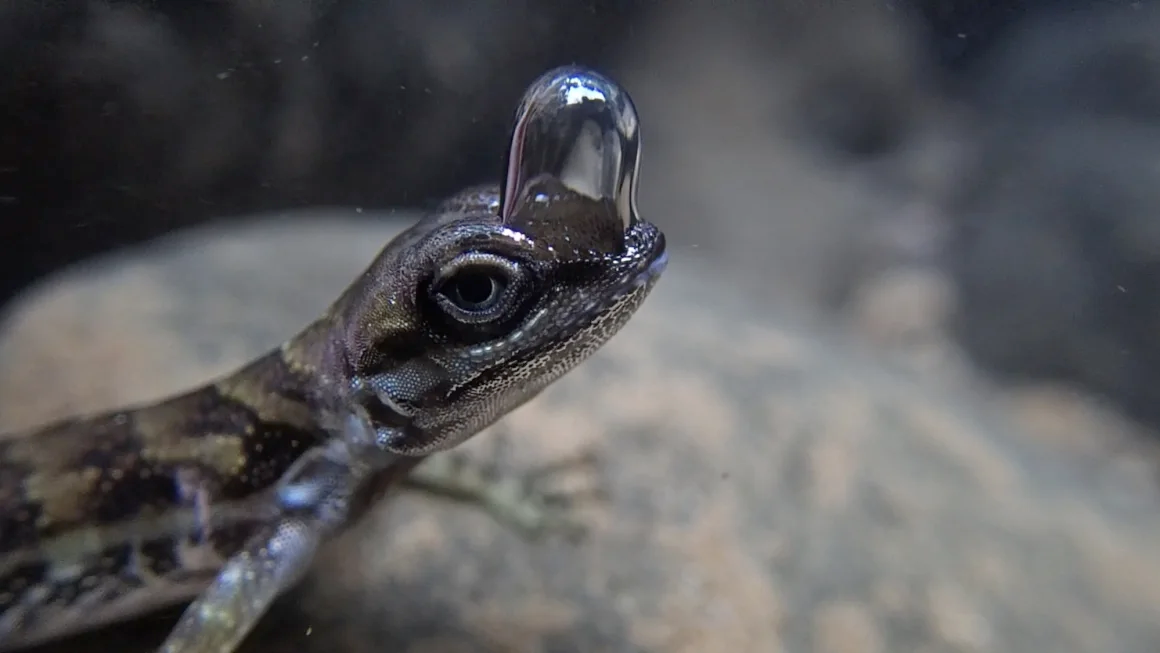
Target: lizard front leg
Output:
{"points": [[314, 500], [221, 617]]}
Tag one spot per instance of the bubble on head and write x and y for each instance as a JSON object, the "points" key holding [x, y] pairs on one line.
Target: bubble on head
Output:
{"points": [[574, 156]]}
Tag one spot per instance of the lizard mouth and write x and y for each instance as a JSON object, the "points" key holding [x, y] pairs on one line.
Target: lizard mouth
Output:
{"points": [[646, 249], [653, 263], [654, 269]]}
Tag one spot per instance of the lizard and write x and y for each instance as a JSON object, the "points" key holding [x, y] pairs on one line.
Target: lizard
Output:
{"points": [[222, 495]]}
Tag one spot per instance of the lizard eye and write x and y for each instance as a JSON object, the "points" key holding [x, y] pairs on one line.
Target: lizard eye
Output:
{"points": [[478, 288]]}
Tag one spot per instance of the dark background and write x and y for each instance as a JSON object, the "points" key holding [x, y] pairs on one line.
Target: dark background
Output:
{"points": [[1004, 150]]}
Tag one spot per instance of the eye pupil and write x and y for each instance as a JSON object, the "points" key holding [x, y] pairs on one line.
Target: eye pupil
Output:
{"points": [[478, 294], [474, 290]]}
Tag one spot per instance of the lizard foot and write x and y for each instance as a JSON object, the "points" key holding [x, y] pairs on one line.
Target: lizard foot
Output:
{"points": [[539, 501]]}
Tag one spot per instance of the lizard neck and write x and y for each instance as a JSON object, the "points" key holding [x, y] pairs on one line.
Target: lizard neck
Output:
{"points": [[314, 360]]}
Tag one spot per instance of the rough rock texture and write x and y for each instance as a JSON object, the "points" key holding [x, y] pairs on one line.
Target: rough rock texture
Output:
{"points": [[1054, 247], [807, 154], [772, 488], [1056, 259], [759, 127]]}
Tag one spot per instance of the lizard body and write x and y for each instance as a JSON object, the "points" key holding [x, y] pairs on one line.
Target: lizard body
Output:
{"points": [[223, 494]]}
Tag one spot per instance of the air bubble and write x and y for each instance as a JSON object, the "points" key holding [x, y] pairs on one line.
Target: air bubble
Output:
{"points": [[579, 131]]}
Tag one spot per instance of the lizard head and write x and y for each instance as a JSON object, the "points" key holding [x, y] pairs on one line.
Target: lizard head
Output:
{"points": [[500, 291]]}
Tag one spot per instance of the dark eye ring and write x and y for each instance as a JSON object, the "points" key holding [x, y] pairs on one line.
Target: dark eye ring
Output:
{"points": [[478, 288]]}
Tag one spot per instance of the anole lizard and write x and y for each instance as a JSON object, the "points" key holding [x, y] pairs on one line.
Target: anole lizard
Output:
{"points": [[224, 494]]}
